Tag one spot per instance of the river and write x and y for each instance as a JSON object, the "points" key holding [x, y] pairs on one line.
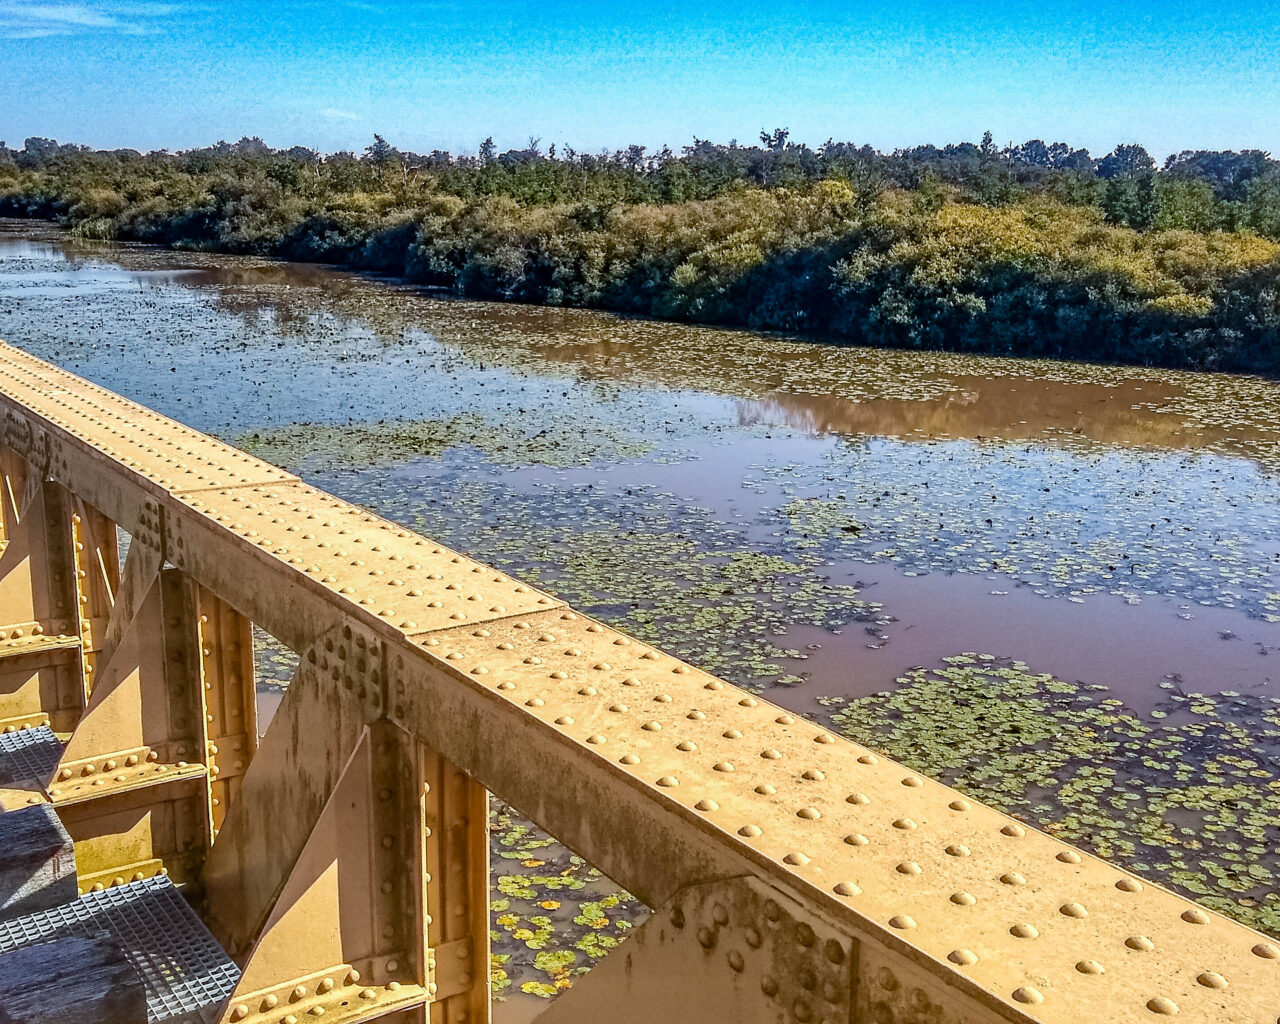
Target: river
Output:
{"points": [[1054, 585]]}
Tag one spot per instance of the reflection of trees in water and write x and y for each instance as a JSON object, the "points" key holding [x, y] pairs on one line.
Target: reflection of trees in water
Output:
{"points": [[999, 409]]}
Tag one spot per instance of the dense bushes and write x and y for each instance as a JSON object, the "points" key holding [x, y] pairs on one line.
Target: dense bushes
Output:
{"points": [[1170, 268]]}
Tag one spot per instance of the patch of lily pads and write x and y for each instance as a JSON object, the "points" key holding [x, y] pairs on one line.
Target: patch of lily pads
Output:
{"points": [[553, 915], [1133, 524], [527, 441]]}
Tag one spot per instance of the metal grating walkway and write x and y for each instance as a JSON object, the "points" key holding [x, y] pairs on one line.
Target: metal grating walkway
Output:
{"points": [[184, 970], [28, 754]]}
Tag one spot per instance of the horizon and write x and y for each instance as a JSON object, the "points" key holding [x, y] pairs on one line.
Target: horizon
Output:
{"points": [[445, 75]]}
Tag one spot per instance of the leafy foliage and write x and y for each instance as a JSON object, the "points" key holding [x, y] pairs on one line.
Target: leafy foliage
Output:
{"points": [[1032, 249]]}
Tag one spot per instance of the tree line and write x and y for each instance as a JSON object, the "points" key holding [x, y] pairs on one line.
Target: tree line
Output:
{"points": [[1037, 248]]}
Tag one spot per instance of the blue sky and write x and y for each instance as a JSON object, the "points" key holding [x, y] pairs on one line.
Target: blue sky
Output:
{"points": [[446, 73]]}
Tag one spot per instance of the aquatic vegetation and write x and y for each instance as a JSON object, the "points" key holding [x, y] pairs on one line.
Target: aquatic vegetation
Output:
{"points": [[533, 440], [552, 913], [1065, 523], [274, 663], [1189, 796]]}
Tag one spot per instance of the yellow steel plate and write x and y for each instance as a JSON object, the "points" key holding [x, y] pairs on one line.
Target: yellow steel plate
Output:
{"points": [[409, 582], [1058, 934]]}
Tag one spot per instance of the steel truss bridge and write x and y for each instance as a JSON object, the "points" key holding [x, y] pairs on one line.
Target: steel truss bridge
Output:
{"points": [[338, 867]]}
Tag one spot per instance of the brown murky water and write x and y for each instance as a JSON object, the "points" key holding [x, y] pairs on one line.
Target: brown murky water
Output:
{"points": [[808, 520]]}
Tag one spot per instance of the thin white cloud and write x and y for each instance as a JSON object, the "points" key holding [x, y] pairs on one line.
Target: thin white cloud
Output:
{"points": [[37, 19], [334, 114]]}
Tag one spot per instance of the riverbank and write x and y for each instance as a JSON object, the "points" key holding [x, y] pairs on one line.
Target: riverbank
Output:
{"points": [[923, 268]]}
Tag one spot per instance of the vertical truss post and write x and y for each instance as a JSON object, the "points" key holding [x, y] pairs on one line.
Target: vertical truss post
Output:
{"points": [[228, 706], [40, 678], [96, 565], [456, 854]]}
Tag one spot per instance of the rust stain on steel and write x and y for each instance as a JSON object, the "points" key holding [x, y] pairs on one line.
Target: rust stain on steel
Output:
{"points": [[948, 904]]}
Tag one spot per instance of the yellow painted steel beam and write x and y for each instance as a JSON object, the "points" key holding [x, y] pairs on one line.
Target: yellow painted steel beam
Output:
{"points": [[664, 776]]}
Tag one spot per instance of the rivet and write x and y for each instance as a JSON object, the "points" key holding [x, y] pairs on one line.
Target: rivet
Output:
{"points": [[1013, 878], [963, 899], [913, 781], [1013, 830], [856, 839], [768, 986], [796, 859], [1073, 910], [1211, 979], [1028, 995], [722, 766], [736, 961], [1163, 1006], [770, 754], [1195, 916], [960, 805], [1266, 950], [707, 805], [1069, 857], [963, 957], [809, 813], [1024, 931], [902, 921], [1140, 942], [706, 938], [857, 798], [846, 889], [1129, 885], [750, 831], [958, 850], [905, 823], [629, 759], [668, 780]]}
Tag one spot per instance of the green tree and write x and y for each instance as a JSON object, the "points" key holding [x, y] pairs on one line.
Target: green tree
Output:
{"points": [[1185, 203]]}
